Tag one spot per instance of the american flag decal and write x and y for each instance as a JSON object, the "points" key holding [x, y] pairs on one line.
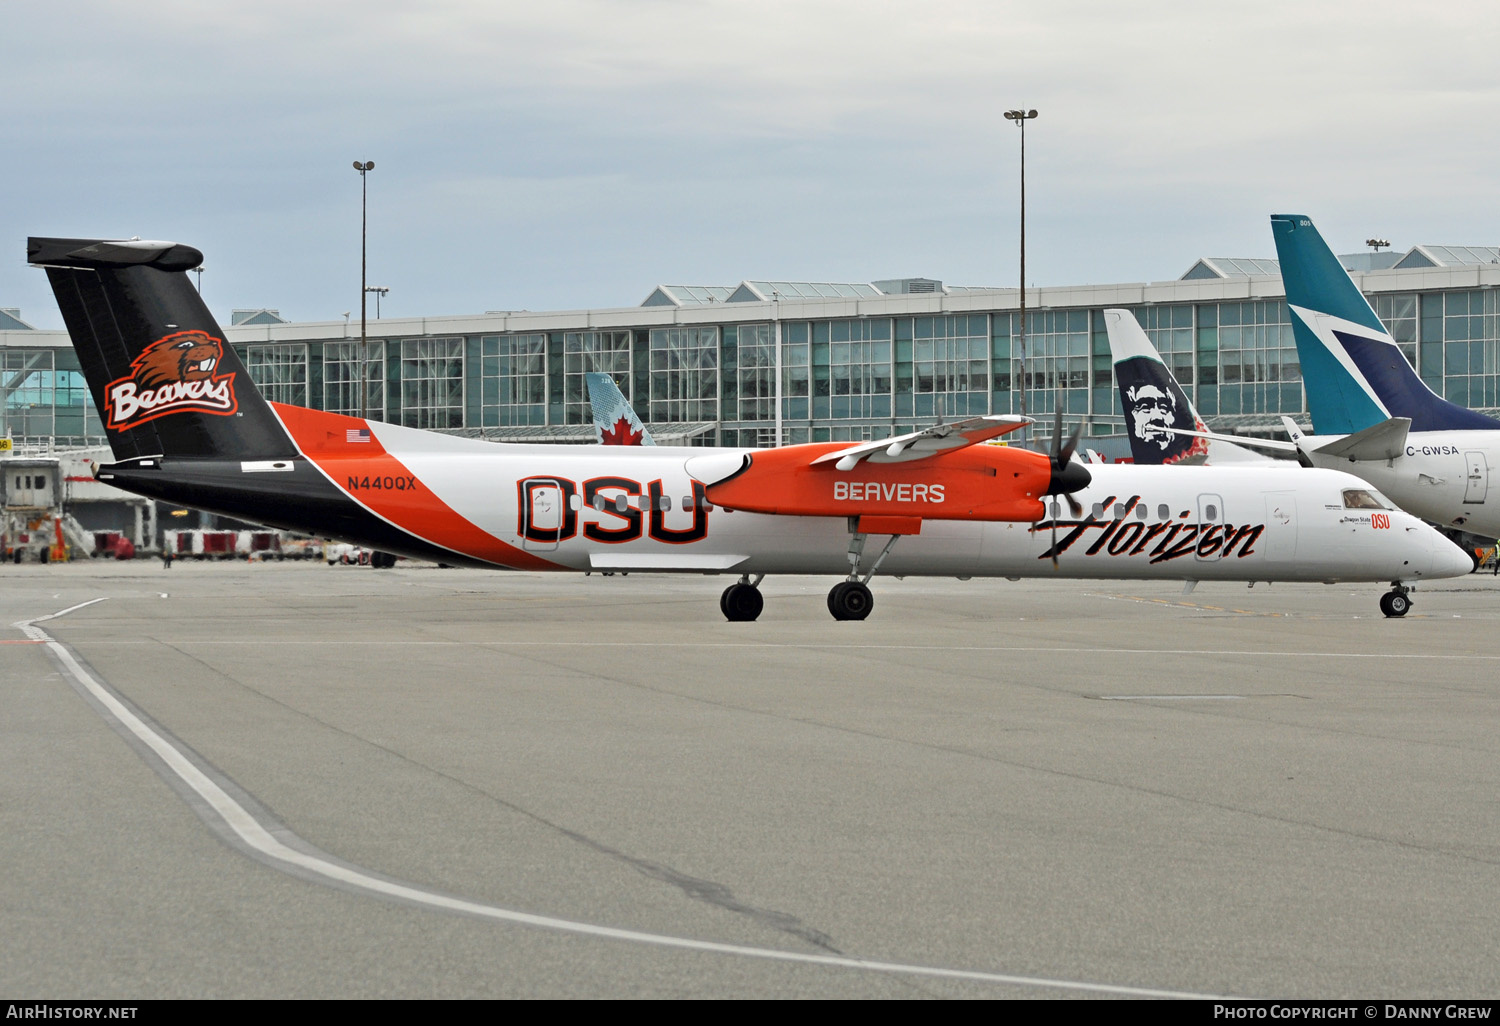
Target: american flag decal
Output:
{"points": [[357, 435]]}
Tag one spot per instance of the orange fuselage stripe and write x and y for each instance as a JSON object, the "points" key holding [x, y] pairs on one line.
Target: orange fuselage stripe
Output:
{"points": [[414, 508]]}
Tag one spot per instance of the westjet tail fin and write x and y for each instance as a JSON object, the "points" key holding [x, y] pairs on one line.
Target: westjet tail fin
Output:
{"points": [[1354, 373], [163, 379], [615, 423], [1156, 408]]}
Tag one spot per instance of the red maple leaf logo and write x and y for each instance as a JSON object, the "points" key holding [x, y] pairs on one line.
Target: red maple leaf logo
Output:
{"points": [[621, 434]]}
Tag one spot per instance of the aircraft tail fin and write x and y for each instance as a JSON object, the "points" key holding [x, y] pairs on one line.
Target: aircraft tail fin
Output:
{"points": [[1153, 401], [1354, 373], [163, 378], [615, 422]]}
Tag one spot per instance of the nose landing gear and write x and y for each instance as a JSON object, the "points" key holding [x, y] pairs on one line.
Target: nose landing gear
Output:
{"points": [[1395, 602]]}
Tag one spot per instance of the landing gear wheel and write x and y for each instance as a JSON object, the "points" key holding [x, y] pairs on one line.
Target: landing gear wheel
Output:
{"points": [[850, 600], [1395, 604], [741, 603]]}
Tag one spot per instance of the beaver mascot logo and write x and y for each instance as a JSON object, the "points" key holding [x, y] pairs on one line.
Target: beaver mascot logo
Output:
{"points": [[171, 375]]}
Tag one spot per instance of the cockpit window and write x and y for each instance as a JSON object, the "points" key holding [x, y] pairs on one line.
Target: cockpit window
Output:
{"points": [[1358, 498]]}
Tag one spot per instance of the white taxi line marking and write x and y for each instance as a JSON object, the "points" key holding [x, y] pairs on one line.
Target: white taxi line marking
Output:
{"points": [[267, 840]]}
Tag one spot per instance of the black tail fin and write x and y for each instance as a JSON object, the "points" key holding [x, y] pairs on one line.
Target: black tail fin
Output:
{"points": [[163, 379]]}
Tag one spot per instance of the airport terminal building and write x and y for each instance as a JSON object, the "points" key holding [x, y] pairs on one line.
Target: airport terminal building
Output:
{"points": [[745, 364]]}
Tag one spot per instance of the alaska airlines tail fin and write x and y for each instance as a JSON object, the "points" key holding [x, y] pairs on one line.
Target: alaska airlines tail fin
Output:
{"points": [[162, 377], [1354, 373], [1153, 401], [615, 423]]}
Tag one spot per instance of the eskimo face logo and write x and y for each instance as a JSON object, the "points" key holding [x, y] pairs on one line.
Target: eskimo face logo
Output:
{"points": [[172, 375], [1151, 412], [1152, 407]]}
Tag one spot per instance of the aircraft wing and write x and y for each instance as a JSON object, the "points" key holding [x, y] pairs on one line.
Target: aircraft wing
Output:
{"points": [[927, 442]]}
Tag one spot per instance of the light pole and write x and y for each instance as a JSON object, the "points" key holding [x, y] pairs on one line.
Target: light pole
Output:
{"points": [[379, 291], [1020, 117], [364, 343]]}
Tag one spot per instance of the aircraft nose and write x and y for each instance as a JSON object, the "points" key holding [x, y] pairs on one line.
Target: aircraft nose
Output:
{"points": [[1448, 560]]}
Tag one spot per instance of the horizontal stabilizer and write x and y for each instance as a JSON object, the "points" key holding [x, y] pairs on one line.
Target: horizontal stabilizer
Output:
{"points": [[928, 442], [1259, 443], [1384, 441]]}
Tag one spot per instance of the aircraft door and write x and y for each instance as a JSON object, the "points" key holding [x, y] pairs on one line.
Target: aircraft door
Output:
{"points": [[1210, 516], [1281, 527], [545, 517], [1478, 472]]}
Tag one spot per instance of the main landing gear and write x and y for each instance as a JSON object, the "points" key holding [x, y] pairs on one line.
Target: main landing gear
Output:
{"points": [[1395, 602], [743, 602], [850, 599]]}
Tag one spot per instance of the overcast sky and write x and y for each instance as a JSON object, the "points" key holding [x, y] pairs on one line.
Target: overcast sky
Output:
{"points": [[576, 153]]}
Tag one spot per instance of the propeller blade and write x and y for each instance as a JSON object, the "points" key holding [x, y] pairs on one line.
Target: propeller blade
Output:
{"points": [[1068, 450], [1054, 535]]}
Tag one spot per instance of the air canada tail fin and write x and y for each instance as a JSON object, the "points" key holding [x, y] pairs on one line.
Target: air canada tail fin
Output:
{"points": [[163, 379], [615, 423], [1153, 401], [1354, 373]]}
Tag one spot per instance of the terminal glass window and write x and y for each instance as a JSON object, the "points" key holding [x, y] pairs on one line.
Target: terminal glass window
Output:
{"points": [[279, 370], [513, 380], [755, 374], [44, 396], [859, 368], [1398, 312], [1259, 371], [1469, 343], [1056, 361], [684, 374], [432, 382], [341, 391], [591, 352], [942, 365], [796, 369]]}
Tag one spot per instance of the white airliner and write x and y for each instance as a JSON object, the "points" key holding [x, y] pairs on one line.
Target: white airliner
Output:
{"points": [[187, 425], [1373, 415]]}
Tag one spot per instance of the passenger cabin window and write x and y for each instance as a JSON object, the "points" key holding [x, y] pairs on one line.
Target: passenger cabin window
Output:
{"points": [[1358, 498], [1119, 511], [1140, 511], [1098, 510], [1163, 513], [1210, 512]]}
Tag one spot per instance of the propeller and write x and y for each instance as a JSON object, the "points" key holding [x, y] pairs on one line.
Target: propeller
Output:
{"points": [[1067, 476]]}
